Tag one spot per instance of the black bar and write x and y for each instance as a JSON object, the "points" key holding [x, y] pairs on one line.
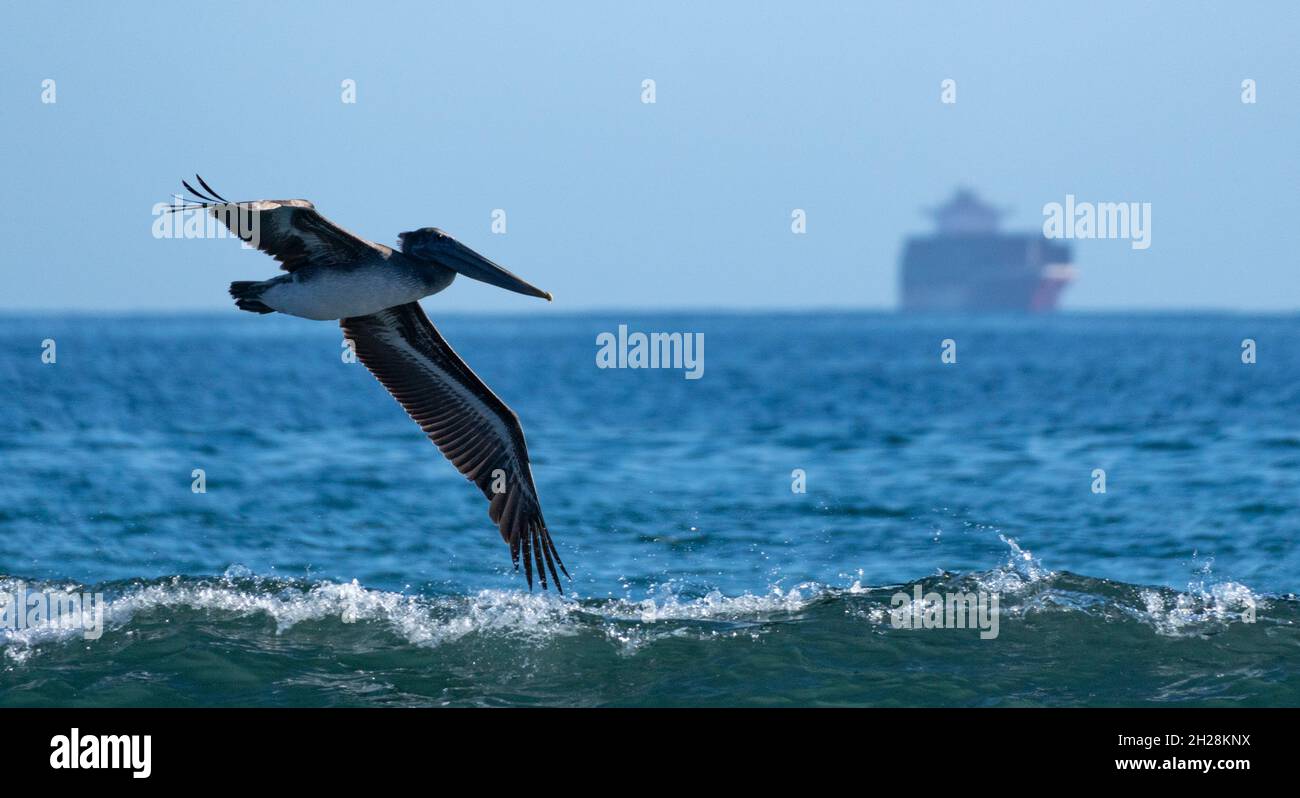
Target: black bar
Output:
{"points": [[322, 745]]}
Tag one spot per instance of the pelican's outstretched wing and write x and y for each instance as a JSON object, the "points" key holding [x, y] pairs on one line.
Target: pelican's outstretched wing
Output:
{"points": [[476, 431], [291, 231]]}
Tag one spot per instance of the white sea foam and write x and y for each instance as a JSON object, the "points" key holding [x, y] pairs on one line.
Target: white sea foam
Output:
{"points": [[634, 624], [630, 624], [424, 621], [1201, 607]]}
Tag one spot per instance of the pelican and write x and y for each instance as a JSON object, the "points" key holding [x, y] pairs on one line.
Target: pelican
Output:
{"points": [[374, 292]]}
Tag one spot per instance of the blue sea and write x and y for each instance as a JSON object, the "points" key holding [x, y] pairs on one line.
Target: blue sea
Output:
{"points": [[334, 557]]}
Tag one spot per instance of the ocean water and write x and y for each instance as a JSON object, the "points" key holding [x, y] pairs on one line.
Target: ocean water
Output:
{"points": [[336, 559]]}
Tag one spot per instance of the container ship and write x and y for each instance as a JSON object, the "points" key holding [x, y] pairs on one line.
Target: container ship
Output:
{"points": [[968, 265]]}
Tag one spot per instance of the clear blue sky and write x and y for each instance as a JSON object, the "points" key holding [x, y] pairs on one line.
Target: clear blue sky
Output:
{"points": [[761, 108]]}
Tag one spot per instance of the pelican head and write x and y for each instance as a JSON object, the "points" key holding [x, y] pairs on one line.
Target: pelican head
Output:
{"points": [[432, 244]]}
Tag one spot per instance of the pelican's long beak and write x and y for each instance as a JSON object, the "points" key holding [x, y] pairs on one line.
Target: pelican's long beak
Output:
{"points": [[463, 260]]}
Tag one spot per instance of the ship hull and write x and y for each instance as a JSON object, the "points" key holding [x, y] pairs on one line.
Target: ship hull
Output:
{"points": [[983, 273]]}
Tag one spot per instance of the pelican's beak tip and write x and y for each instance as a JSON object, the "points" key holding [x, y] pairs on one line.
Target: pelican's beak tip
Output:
{"points": [[549, 298]]}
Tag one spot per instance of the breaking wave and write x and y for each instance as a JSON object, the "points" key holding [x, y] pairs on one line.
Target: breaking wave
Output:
{"points": [[245, 639]]}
